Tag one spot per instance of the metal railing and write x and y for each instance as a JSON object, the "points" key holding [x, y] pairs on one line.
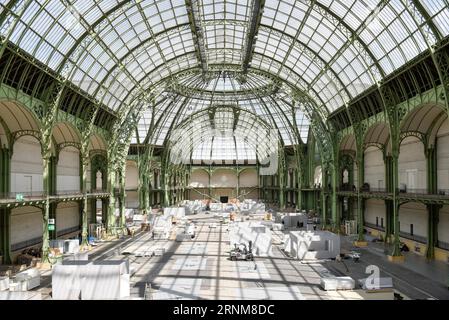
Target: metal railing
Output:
{"points": [[15, 195], [377, 190], [24, 196], [67, 193], [414, 191]]}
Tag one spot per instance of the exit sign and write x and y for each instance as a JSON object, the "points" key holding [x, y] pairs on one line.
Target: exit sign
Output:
{"points": [[51, 227], [19, 197]]}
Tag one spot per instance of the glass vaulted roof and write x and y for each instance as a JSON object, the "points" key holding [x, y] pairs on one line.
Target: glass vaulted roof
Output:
{"points": [[199, 54]]}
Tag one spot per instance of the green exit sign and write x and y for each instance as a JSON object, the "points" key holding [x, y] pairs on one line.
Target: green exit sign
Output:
{"points": [[51, 227], [19, 197]]}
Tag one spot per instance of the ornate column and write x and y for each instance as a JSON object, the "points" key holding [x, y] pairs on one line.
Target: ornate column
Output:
{"points": [[432, 209], [84, 155], [5, 213], [360, 162], [112, 179], [396, 252]]}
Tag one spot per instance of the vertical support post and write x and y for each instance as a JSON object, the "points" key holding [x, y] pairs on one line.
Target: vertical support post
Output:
{"points": [[432, 209], [84, 156], [396, 252], [388, 203], [5, 213], [324, 192], [112, 201], [432, 229], [122, 182], [165, 184], [360, 162], [46, 211], [5, 234], [104, 211], [334, 198], [281, 180], [210, 186], [238, 184]]}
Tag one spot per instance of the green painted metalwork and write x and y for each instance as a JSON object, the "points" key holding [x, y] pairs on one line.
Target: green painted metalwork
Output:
{"points": [[359, 131]]}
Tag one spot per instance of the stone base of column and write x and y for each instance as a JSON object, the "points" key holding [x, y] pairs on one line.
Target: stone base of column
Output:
{"points": [[360, 244], [396, 259]]}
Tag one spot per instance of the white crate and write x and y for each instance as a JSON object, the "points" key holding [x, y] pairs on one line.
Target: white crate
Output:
{"points": [[4, 283], [337, 283], [29, 279]]}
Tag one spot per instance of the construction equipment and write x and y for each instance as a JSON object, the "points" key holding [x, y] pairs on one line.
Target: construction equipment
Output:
{"points": [[241, 252]]}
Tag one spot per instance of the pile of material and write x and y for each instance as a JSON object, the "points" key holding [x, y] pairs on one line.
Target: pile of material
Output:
{"points": [[304, 245], [259, 234]]}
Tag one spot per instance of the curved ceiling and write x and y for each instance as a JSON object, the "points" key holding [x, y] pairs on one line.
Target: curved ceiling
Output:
{"points": [[223, 133], [331, 49]]}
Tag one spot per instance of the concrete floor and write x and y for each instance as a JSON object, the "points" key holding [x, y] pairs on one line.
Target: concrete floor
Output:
{"points": [[201, 269]]}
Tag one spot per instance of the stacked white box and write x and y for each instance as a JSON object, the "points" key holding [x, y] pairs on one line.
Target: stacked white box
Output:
{"points": [[257, 233], [162, 226], [66, 280], [4, 283], [103, 280], [337, 283], [71, 246], [177, 212], [304, 245], [29, 279]]}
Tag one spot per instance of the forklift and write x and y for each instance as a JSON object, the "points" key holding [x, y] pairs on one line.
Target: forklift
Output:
{"points": [[240, 252]]}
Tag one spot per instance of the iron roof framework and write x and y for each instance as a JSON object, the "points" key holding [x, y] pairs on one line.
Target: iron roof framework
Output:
{"points": [[252, 54]]}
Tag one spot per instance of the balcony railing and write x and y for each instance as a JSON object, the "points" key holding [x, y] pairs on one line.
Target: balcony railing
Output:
{"points": [[39, 195]]}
